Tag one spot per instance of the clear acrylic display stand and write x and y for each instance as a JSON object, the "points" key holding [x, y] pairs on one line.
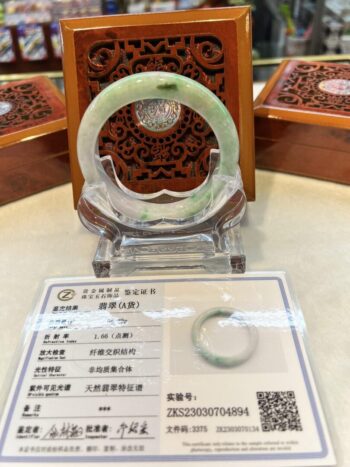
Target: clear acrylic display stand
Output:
{"points": [[170, 232]]}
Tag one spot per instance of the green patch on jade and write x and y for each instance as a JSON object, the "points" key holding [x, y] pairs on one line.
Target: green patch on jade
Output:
{"points": [[167, 86]]}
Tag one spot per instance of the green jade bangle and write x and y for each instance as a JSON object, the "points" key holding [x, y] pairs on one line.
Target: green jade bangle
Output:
{"points": [[221, 360], [160, 85]]}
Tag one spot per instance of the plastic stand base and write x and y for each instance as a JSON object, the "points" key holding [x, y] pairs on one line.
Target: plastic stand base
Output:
{"points": [[203, 252]]}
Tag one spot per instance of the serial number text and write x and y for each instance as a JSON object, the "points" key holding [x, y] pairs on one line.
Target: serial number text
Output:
{"points": [[180, 412]]}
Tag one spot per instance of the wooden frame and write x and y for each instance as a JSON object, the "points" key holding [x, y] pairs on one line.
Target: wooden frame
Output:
{"points": [[33, 139], [301, 127], [262, 108], [56, 121], [231, 25]]}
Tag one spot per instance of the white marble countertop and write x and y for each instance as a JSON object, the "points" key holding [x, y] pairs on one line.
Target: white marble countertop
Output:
{"points": [[298, 225]]}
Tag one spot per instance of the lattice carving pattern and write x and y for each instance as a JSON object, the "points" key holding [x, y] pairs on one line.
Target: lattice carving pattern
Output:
{"points": [[177, 158], [301, 88], [30, 107]]}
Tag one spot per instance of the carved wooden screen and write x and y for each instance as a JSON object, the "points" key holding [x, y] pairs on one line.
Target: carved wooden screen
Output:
{"points": [[172, 154], [313, 87], [27, 104], [147, 157]]}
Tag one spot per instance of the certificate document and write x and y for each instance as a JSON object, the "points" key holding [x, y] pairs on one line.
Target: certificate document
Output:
{"points": [[207, 370]]}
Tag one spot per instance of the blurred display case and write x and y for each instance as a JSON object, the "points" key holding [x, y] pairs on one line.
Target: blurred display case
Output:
{"points": [[30, 37]]}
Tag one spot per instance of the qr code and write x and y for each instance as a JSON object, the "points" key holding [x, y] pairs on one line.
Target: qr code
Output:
{"points": [[278, 411]]}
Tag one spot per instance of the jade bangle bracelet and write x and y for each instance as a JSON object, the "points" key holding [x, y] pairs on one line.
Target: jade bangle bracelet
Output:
{"points": [[222, 360], [209, 197]]}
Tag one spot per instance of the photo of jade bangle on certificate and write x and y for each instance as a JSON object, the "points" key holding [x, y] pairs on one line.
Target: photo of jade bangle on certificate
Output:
{"points": [[192, 370]]}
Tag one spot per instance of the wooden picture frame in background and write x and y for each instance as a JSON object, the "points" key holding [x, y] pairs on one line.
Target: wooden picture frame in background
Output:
{"points": [[33, 138], [302, 121]]}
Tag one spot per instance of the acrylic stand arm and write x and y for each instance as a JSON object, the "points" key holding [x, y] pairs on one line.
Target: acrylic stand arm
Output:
{"points": [[212, 246]]}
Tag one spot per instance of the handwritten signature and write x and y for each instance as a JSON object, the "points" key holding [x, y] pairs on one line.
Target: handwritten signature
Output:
{"points": [[65, 431]]}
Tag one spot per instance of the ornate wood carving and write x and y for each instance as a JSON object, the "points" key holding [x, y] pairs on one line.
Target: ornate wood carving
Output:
{"points": [[27, 104], [302, 119], [176, 158], [33, 138], [316, 87]]}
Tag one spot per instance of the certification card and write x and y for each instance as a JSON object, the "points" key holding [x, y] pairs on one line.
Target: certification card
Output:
{"points": [[204, 370]]}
